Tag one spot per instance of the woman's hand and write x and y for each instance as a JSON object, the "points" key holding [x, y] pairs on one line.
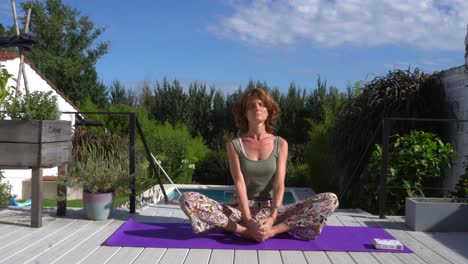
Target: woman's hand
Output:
{"points": [[253, 230], [265, 226]]}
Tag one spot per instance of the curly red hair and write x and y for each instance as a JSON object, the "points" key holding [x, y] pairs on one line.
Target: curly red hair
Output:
{"points": [[240, 108]]}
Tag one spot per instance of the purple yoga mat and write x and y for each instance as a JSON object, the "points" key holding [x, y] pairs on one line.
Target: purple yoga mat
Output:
{"points": [[171, 235]]}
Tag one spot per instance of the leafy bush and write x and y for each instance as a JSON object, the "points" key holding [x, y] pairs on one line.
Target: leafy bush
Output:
{"points": [[178, 152], [415, 160], [4, 89], [297, 175], [5, 191], [88, 106], [34, 106]]}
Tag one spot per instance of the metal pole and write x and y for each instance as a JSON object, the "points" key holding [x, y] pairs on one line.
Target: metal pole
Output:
{"points": [[153, 166], [132, 163], [384, 168]]}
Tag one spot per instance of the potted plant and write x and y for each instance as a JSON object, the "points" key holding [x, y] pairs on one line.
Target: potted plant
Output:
{"points": [[446, 214], [34, 137], [100, 165]]}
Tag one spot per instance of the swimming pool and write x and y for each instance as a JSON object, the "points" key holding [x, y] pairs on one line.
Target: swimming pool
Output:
{"points": [[222, 195]]}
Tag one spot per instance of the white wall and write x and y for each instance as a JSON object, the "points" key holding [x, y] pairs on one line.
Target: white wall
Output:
{"points": [[35, 83]]}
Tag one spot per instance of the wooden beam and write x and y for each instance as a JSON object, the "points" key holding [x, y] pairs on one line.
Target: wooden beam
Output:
{"points": [[36, 197], [26, 31]]}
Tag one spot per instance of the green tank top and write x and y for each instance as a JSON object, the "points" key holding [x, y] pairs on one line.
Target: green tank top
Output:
{"points": [[258, 174]]}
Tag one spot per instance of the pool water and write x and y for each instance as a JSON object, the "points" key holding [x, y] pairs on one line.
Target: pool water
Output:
{"points": [[224, 195]]}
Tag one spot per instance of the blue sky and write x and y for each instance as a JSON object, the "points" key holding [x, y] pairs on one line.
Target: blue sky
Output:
{"points": [[227, 43]]}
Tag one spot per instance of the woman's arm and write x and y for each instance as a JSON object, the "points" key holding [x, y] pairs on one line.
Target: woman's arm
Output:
{"points": [[238, 178], [278, 184]]}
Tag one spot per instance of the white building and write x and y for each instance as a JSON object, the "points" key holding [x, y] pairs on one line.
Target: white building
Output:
{"points": [[36, 82]]}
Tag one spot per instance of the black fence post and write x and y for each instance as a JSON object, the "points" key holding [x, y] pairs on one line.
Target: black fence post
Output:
{"points": [[150, 158], [384, 170], [132, 163]]}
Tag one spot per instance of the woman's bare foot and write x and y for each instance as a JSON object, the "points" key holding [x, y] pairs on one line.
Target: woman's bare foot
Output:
{"points": [[275, 230]]}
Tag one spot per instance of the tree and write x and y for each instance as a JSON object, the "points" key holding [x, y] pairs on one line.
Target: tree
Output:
{"points": [[66, 51], [170, 103], [117, 93], [199, 103], [293, 114]]}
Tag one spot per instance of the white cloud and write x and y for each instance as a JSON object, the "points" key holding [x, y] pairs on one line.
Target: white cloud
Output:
{"points": [[439, 24]]}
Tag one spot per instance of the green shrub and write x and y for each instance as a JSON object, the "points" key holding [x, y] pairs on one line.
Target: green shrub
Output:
{"points": [[34, 106], [297, 175], [88, 106], [178, 152], [214, 169], [5, 191], [4, 89], [415, 160]]}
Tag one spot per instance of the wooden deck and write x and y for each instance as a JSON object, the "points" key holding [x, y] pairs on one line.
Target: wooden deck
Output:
{"points": [[75, 240]]}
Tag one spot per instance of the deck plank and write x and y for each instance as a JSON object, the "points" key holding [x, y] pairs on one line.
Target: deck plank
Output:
{"points": [[174, 256], [225, 256], [372, 257], [61, 249], [53, 239], [16, 232], [198, 256], [293, 257], [436, 246], [317, 257], [397, 257], [419, 249], [178, 216], [7, 231], [245, 257], [90, 244], [150, 255], [388, 258], [269, 257], [125, 255], [363, 257], [30, 235], [340, 258], [410, 258], [101, 255]]}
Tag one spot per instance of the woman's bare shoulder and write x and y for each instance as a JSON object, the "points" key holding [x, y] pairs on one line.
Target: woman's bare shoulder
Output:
{"points": [[282, 142]]}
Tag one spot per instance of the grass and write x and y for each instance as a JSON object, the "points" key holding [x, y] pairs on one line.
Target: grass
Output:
{"points": [[79, 203]]}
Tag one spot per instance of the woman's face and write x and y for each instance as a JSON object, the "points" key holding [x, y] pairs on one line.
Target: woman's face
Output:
{"points": [[256, 110]]}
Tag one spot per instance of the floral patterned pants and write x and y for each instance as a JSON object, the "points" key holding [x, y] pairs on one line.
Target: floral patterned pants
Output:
{"points": [[304, 218]]}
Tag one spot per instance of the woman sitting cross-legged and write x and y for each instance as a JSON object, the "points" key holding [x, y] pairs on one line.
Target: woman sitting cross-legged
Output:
{"points": [[257, 162]]}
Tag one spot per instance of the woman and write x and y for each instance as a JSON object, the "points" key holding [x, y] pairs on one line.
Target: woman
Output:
{"points": [[257, 162]]}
